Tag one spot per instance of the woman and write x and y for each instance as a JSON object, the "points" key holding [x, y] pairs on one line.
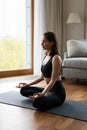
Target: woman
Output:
{"points": [[54, 93]]}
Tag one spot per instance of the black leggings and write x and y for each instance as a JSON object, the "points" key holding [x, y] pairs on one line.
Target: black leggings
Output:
{"points": [[47, 101]]}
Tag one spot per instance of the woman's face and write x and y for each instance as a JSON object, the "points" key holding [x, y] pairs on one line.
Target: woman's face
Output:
{"points": [[46, 45]]}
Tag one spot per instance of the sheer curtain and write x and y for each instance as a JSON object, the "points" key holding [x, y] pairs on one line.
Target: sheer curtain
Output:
{"points": [[54, 18], [47, 17], [39, 29]]}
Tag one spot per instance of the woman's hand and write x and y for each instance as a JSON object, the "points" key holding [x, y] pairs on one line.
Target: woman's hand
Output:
{"points": [[21, 85], [36, 95]]}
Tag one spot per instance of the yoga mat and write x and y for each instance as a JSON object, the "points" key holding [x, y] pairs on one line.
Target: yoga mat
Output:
{"points": [[70, 108]]}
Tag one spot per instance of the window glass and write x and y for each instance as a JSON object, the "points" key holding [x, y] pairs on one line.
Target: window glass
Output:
{"points": [[15, 34]]}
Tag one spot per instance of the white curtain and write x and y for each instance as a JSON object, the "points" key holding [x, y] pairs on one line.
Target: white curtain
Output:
{"points": [[48, 17], [54, 18], [39, 29]]}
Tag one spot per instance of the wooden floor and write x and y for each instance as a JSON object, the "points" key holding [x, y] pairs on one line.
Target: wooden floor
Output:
{"points": [[16, 118]]}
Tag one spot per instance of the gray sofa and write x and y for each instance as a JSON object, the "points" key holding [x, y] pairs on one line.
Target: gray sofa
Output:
{"points": [[75, 60]]}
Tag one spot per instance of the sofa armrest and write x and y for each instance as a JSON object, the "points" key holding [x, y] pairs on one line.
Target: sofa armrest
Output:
{"points": [[65, 55]]}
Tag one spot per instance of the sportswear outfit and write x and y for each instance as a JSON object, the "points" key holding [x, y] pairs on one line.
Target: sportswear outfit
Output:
{"points": [[57, 96]]}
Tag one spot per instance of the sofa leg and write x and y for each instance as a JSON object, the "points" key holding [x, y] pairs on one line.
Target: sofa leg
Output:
{"points": [[77, 80]]}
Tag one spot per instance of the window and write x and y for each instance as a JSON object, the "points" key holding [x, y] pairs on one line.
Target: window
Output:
{"points": [[16, 54]]}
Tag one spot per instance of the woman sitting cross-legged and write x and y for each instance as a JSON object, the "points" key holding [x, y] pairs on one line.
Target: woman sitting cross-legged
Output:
{"points": [[54, 92]]}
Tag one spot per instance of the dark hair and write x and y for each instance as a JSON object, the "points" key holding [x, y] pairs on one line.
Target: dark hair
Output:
{"points": [[50, 36]]}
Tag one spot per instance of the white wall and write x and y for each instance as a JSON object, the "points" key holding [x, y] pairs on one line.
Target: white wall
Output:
{"points": [[73, 31]]}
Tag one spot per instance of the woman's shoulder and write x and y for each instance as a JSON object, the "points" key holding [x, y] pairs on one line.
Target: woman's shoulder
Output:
{"points": [[57, 58]]}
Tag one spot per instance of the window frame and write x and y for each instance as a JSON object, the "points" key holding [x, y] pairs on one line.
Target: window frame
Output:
{"points": [[10, 73]]}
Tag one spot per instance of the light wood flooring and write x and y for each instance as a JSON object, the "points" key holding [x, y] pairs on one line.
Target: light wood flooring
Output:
{"points": [[16, 118]]}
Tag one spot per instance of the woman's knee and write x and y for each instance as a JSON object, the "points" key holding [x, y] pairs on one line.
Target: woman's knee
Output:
{"points": [[21, 92]]}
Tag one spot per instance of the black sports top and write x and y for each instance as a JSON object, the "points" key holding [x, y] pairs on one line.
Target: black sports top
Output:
{"points": [[47, 69]]}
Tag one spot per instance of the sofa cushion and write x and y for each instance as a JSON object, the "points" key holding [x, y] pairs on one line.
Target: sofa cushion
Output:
{"points": [[76, 48], [74, 73], [79, 63]]}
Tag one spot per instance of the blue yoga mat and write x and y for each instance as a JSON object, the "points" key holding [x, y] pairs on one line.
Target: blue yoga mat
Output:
{"points": [[71, 109]]}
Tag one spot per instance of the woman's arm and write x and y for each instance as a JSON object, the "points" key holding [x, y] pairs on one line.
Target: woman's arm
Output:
{"points": [[31, 83], [36, 80]]}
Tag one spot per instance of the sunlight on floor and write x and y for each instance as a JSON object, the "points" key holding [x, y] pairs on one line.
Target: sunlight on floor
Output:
{"points": [[9, 84]]}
